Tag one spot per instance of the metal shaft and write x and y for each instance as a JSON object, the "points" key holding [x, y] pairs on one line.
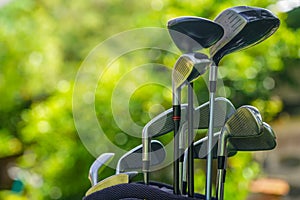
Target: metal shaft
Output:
{"points": [[146, 158], [190, 176], [221, 164], [212, 91], [176, 119]]}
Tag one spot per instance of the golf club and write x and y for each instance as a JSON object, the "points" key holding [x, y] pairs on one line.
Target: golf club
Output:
{"points": [[187, 68], [264, 141], [244, 123], [243, 26], [97, 164], [191, 34]]}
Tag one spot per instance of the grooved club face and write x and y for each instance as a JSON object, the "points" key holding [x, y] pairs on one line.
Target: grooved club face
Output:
{"points": [[189, 67], [244, 123]]}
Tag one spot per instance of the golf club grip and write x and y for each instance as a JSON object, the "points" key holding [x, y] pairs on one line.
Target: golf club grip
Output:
{"points": [[176, 119]]}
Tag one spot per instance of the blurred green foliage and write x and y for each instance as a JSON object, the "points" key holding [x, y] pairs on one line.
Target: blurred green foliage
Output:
{"points": [[43, 44]]}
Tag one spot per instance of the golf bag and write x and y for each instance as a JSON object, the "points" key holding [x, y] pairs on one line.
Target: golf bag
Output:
{"points": [[139, 191]]}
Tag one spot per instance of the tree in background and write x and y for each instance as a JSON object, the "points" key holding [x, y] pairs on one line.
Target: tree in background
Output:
{"points": [[43, 44]]}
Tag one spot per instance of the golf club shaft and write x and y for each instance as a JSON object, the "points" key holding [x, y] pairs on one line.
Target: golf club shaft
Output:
{"points": [[212, 89], [146, 158], [222, 160], [176, 119], [190, 176], [220, 184], [221, 163]]}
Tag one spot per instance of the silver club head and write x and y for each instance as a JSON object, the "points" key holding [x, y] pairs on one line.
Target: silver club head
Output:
{"points": [[189, 67], [132, 160], [97, 164], [163, 123], [244, 123]]}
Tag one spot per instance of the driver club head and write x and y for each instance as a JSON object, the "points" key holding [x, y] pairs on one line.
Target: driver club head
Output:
{"points": [[194, 33], [97, 164], [244, 26]]}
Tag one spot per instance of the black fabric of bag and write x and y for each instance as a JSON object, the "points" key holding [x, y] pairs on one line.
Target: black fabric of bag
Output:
{"points": [[137, 191]]}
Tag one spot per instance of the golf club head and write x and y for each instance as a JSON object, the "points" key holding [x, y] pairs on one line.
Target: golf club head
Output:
{"points": [[97, 164], [132, 160], [244, 123], [244, 26], [262, 142], [223, 110], [189, 67], [194, 33], [163, 123]]}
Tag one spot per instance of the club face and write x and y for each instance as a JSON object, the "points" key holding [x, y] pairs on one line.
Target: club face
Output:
{"points": [[244, 123], [98, 163], [252, 26], [262, 142], [181, 71], [132, 160], [201, 63], [188, 68], [255, 111], [194, 33]]}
